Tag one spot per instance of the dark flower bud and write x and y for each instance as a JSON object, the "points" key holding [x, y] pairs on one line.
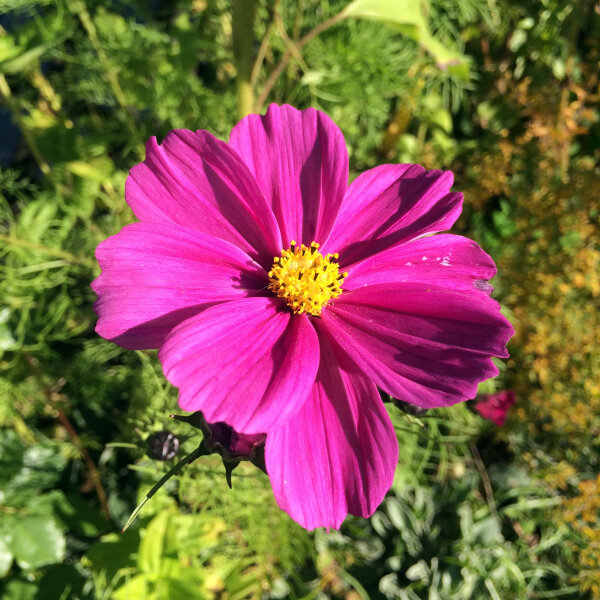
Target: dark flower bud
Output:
{"points": [[162, 445]]}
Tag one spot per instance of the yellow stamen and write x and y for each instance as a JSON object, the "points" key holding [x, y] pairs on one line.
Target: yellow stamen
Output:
{"points": [[305, 278]]}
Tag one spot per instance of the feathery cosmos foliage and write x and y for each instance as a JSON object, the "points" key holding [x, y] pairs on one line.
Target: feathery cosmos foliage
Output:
{"points": [[280, 298]]}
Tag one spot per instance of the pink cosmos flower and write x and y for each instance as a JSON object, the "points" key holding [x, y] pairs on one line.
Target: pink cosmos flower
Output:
{"points": [[280, 298], [495, 407]]}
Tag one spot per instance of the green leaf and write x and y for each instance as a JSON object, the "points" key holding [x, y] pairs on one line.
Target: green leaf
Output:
{"points": [[17, 589], [152, 545], [96, 169], [61, 582], [113, 552], [418, 572], [180, 588], [11, 458], [136, 587], [7, 341], [18, 64], [36, 541], [73, 512], [443, 119], [26, 471], [408, 17], [6, 556], [487, 531]]}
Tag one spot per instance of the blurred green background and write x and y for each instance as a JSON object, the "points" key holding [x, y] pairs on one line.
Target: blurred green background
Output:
{"points": [[502, 92]]}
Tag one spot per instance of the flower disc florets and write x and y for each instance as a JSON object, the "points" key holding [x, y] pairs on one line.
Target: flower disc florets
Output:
{"points": [[305, 278]]}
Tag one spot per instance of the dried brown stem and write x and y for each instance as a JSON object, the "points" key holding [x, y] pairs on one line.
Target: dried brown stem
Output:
{"points": [[288, 55], [62, 418], [264, 45]]}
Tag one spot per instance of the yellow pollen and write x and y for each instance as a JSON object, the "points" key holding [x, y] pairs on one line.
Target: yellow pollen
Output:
{"points": [[305, 278]]}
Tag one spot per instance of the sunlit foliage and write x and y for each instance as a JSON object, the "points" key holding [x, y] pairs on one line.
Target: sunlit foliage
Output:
{"points": [[475, 512]]}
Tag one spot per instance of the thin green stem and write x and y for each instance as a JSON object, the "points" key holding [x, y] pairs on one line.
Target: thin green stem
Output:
{"points": [[190, 458], [243, 38]]}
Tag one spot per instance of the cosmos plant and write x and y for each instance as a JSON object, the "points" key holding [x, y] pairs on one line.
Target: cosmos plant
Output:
{"points": [[280, 298]]}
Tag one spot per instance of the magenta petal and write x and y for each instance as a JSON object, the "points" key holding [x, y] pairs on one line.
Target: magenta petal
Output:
{"points": [[391, 204], [196, 180], [451, 261], [156, 276], [244, 362], [338, 454], [300, 162], [421, 343]]}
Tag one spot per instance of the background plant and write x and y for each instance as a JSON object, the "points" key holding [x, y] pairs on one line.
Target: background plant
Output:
{"points": [[504, 93]]}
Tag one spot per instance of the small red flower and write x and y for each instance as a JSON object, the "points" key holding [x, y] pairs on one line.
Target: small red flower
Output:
{"points": [[494, 407]]}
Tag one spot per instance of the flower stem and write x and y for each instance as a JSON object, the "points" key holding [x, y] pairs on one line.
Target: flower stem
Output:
{"points": [[52, 395], [243, 37], [190, 458]]}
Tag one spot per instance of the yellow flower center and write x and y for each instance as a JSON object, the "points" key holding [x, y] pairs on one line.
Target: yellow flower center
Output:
{"points": [[305, 278]]}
